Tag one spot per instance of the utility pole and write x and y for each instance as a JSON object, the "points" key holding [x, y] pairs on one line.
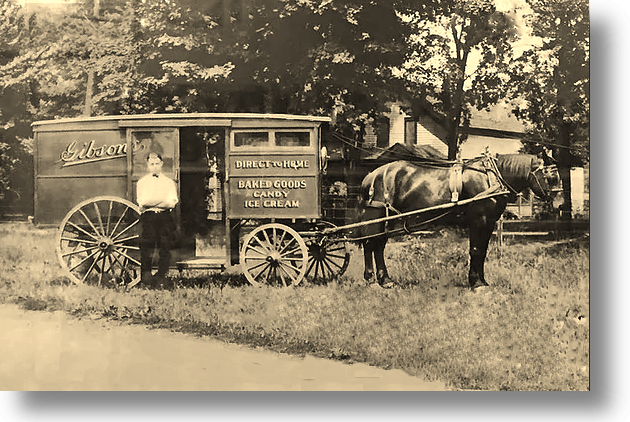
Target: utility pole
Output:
{"points": [[89, 91]]}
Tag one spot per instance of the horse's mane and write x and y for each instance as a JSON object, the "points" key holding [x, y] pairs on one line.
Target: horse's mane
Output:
{"points": [[515, 165]]}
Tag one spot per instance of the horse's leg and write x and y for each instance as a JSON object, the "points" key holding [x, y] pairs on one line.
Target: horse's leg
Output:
{"points": [[368, 271], [382, 277], [482, 218]]}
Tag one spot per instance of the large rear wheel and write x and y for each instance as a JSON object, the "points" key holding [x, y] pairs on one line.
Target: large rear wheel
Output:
{"points": [[98, 242]]}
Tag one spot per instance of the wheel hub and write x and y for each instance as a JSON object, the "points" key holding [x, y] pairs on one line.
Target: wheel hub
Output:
{"points": [[274, 258], [105, 244]]}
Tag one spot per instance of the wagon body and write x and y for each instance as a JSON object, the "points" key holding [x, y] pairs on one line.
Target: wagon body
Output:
{"points": [[76, 159], [229, 169]]}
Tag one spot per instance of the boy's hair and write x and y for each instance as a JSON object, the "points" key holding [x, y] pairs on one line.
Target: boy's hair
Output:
{"points": [[154, 155]]}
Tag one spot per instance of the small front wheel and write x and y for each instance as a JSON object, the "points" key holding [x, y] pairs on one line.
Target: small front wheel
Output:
{"points": [[274, 254]]}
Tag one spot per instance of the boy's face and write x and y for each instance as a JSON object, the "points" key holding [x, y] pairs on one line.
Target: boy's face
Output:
{"points": [[154, 165]]}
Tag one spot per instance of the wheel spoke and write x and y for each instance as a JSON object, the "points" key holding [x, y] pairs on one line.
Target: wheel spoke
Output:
{"points": [[284, 233], [127, 228], [258, 265], [109, 217], [126, 239], [330, 270], [135, 248], [83, 260], [265, 247], [281, 270], [269, 241], [100, 274], [127, 256], [310, 267], [336, 256], [90, 269], [78, 239], [334, 263], [290, 252], [255, 249], [268, 267], [288, 273], [80, 229], [119, 220], [89, 221], [286, 246], [100, 219], [78, 251]]}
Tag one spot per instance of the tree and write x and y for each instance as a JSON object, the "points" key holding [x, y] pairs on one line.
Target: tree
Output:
{"points": [[551, 85], [15, 158], [459, 60], [282, 56]]}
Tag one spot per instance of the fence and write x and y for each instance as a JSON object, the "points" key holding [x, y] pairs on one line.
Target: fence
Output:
{"points": [[555, 228]]}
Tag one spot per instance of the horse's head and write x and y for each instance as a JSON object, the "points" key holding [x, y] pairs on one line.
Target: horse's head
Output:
{"points": [[541, 178]]}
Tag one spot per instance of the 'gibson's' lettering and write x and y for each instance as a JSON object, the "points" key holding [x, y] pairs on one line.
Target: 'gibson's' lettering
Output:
{"points": [[73, 156]]}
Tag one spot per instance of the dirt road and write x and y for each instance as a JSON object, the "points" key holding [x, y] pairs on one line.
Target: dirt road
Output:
{"points": [[52, 351]]}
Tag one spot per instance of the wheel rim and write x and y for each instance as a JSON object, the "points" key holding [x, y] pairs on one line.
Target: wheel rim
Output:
{"points": [[98, 242], [274, 254], [328, 257]]}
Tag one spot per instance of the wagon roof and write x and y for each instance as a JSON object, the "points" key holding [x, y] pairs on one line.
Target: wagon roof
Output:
{"points": [[187, 116]]}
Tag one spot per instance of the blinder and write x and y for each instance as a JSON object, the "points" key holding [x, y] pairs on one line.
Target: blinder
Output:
{"points": [[546, 173]]}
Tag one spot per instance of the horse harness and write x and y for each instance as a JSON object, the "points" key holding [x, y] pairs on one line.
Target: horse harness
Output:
{"points": [[496, 184]]}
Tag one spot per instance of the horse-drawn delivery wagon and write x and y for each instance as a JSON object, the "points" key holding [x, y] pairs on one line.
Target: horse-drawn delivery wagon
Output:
{"points": [[249, 188]]}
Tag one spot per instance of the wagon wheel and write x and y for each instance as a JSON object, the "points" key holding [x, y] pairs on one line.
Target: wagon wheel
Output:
{"points": [[274, 254], [98, 242], [329, 256]]}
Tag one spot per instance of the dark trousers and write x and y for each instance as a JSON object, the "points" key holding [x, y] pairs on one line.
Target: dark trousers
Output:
{"points": [[158, 231]]}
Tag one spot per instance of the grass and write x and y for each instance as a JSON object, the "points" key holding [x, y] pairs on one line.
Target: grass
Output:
{"points": [[530, 332]]}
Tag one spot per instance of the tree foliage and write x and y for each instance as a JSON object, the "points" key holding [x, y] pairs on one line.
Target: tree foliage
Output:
{"points": [[551, 84], [459, 61], [341, 58]]}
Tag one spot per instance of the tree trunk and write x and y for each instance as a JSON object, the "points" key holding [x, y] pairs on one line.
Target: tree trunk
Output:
{"points": [[455, 112], [89, 91], [564, 170]]}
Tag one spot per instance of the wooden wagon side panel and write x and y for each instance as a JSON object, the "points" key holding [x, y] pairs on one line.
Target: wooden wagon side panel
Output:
{"points": [[75, 163], [273, 172]]}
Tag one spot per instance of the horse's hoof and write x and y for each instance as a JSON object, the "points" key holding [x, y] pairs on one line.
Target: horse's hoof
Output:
{"points": [[388, 285], [483, 289], [376, 286]]}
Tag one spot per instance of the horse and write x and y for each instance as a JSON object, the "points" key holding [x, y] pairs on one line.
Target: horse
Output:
{"points": [[479, 189]]}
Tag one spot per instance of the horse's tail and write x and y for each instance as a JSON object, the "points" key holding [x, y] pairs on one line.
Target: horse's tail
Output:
{"points": [[361, 205], [365, 210]]}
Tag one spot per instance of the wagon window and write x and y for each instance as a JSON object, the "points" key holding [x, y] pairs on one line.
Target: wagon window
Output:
{"points": [[251, 139], [293, 139]]}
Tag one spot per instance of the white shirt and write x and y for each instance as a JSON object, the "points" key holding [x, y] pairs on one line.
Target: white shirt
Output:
{"points": [[158, 192]]}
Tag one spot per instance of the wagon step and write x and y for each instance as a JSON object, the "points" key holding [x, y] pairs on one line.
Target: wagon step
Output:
{"points": [[202, 263]]}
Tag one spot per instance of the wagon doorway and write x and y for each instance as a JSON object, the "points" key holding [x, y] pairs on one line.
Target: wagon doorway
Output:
{"points": [[202, 175]]}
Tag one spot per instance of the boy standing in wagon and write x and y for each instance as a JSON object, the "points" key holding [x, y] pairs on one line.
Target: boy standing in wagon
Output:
{"points": [[157, 196]]}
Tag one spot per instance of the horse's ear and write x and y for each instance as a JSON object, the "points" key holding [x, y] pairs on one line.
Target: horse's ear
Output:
{"points": [[537, 162], [546, 158]]}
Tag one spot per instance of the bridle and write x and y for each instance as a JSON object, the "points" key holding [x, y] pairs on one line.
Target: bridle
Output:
{"points": [[532, 175]]}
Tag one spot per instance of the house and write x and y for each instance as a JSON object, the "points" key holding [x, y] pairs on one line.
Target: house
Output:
{"points": [[495, 130]]}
